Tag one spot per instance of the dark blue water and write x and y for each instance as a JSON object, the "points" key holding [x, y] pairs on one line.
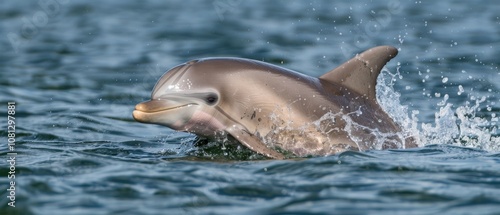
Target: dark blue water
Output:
{"points": [[75, 70]]}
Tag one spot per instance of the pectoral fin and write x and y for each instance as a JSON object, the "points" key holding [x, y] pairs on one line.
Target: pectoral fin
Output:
{"points": [[253, 142]]}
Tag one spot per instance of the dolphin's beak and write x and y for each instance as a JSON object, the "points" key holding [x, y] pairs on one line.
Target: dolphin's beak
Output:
{"points": [[148, 111], [152, 106], [143, 110]]}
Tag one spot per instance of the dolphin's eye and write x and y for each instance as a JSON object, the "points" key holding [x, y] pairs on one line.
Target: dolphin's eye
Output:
{"points": [[211, 99]]}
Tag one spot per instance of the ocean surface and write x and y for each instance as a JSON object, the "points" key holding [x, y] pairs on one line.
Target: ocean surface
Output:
{"points": [[75, 70]]}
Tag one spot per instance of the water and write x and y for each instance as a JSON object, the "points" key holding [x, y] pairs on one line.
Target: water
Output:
{"points": [[76, 69]]}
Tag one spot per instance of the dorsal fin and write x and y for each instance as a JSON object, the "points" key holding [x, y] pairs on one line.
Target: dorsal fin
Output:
{"points": [[360, 73]]}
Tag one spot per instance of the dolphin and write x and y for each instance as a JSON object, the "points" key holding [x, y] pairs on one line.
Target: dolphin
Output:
{"points": [[275, 111]]}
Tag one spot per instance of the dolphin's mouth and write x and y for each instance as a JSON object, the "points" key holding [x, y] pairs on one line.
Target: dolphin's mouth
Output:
{"points": [[154, 106], [151, 111]]}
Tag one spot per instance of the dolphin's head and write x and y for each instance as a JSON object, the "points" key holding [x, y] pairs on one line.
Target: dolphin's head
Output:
{"points": [[212, 97], [185, 99]]}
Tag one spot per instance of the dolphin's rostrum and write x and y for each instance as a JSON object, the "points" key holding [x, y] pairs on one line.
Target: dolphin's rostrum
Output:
{"points": [[266, 107]]}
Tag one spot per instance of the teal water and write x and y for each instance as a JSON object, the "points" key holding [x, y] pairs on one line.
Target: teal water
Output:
{"points": [[76, 69]]}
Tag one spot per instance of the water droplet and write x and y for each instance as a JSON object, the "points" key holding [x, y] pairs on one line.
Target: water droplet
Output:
{"points": [[460, 90]]}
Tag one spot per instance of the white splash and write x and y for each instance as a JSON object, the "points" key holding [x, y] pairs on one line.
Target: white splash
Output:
{"points": [[458, 126]]}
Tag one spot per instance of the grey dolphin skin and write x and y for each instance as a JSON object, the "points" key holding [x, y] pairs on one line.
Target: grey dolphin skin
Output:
{"points": [[271, 110]]}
